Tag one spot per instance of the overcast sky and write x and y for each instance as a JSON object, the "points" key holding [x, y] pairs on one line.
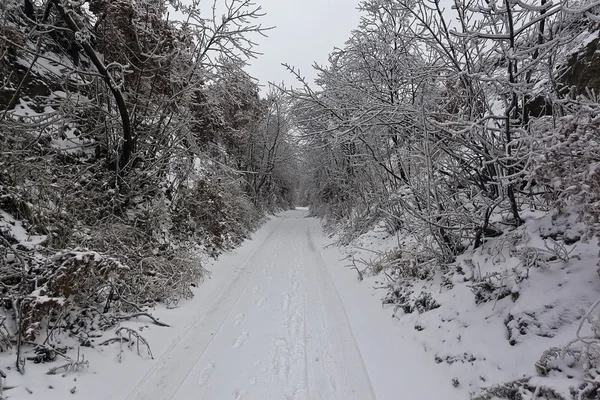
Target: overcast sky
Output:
{"points": [[306, 31]]}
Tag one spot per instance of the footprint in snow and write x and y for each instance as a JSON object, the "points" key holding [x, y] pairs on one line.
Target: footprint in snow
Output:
{"points": [[332, 385], [239, 319], [206, 373], [282, 345], [238, 394], [281, 359], [255, 289], [261, 301], [241, 340]]}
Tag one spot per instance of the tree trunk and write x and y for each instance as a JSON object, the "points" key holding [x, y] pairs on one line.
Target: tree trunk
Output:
{"points": [[127, 149]]}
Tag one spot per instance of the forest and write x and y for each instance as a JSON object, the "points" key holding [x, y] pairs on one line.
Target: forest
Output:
{"points": [[134, 146]]}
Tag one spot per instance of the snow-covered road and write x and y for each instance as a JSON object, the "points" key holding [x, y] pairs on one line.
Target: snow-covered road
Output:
{"points": [[280, 318], [276, 329]]}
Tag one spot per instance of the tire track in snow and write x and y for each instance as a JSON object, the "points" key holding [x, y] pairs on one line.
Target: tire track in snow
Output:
{"points": [[279, 332], [287, 351], [335, 368], [171, 369]]}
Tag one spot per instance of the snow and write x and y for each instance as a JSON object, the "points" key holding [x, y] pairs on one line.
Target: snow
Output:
{"points": [[17, 230], [471, 341], [50, 65], [65, 138], [73, 144], [280, 318], [276, 330], [395, 361]]}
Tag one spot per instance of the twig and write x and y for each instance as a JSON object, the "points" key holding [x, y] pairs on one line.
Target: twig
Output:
{"points": [[70, 366], [15, 252], [142, 314], [380, 253], [360, 273], [131, 335], [18, 309], [113, 340]]}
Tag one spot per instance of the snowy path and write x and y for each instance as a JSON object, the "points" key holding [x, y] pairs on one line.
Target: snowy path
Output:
{"points": [[280, 318], [276, 329]]}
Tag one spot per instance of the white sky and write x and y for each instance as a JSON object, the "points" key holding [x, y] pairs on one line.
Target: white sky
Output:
{"points": [[306, 31]]}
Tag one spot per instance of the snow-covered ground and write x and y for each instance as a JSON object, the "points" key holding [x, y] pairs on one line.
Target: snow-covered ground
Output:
{"points": [[276, 329], [280, 318], [283, 317], [497, 311]]}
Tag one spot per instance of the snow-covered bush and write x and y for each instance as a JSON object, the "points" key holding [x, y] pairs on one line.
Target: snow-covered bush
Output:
{"points": [[568, 163]]}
